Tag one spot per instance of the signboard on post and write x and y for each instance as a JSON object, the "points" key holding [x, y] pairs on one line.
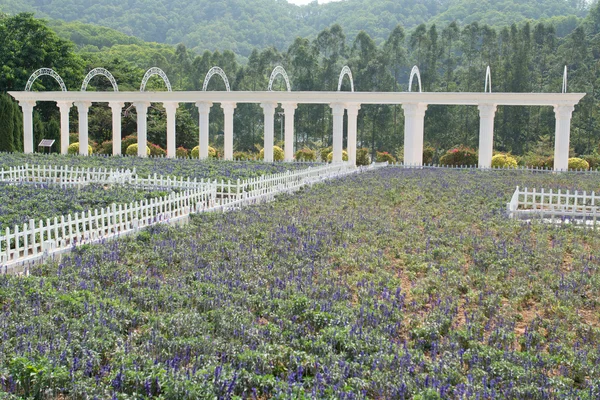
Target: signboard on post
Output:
{"points": [[46, 143]]}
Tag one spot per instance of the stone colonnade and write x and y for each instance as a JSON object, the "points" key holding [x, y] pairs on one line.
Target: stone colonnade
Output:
{"points": [[414, 113]]}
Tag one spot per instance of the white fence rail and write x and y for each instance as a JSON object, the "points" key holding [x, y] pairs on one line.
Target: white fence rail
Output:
{"points": [[556, 207], [29, 243]]}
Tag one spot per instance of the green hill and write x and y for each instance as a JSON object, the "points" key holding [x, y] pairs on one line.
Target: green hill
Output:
{"points": [[241, 25]]}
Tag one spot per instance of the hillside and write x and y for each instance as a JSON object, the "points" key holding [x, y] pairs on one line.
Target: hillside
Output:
{"points": [[241, 25]]}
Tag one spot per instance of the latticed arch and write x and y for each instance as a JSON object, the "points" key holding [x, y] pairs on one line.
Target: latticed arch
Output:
{"points": [[414, 71], [346, 72], [488, 80], [212, 72], [96, 72], [155, 71], [278, 70], [42, 72]]}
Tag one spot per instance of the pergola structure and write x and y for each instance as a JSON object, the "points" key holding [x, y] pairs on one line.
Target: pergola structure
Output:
{"points": [[414, 105]]}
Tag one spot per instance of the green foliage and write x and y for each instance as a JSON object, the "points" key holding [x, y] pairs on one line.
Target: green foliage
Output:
{"points": [[106, 147], [278, 154], [593, 160], [325, 153], [195, 153], [344, 156], [578, 164], [156, 150], [384, 156], [127, 141], [181, 152], [362, 157], [305, 154], [428, 154], [243, 156], [459, 156], [74, 148], [504, 161], [7, 124], [132, 150]]}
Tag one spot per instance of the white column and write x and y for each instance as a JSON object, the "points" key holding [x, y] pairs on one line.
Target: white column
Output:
{"points": [[486, 134], [352, 109], [117, 108], [562, 136], [82, 108], [269, 115], [414, 115], [203, 111], [228, 108], [289, 110], [338, 130], [64, 107], [141, 109], [171, 109], [27, 107]]}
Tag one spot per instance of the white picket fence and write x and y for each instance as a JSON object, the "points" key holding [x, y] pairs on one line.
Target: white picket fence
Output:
{"points": [[25, 245], [558, 207]]}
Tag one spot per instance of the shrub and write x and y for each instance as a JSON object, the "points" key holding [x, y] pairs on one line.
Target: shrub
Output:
{"points": [[504, 161], [105, 147], [73, 137], [242, 156], [156, 150], [278, 154], [127, 141], [576, 163], [534, 160], [305, 154], [132, 150], [181, 152], [593, 160], [384, 156], [362, 157], [344, 156], [195, 153], [428, 153], [459, 156], [74, 148], [325, 153]]}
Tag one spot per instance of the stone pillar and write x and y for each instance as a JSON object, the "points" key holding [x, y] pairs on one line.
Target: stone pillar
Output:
{"points": [[562, 136], [352, 109], [486, 134], [82, 108], [117, 108], [269, 115], [171, 109], [203, 111], [228, 108], [141, 109], [27, 107], [289, 110], [64, 107], [338, 130], [414, 120]]}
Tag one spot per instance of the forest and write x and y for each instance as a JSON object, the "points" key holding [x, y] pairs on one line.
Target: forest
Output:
{"points": [[524, 57]]}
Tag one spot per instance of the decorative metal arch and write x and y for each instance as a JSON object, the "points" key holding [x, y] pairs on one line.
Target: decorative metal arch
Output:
{"points": [[45, 71], [414, 71], [278, 70], [155, 71], [96, 72], [488, 80], [346, 71], [215, 71], [564, 85]]}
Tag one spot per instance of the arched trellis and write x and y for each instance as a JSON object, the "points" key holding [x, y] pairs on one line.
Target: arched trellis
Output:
{"points": [[414, 71], [96, 72], [564, 85], [155, 71], [45, 71], [215, 71], [278, 70], [346, 71], [488, 80]]}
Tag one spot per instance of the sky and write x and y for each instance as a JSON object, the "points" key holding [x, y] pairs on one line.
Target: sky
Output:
{"points": [[303, 2]]}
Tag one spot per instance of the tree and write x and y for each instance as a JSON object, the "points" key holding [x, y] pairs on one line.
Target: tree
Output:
{"points": [[7, 141]]}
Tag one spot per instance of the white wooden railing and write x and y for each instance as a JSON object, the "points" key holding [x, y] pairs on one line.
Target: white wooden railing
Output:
{"points": [[555, 206]]}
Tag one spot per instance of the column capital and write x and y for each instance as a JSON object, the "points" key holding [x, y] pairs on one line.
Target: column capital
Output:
{"points": [[288, 106], [268, 107], [204, 106], [171, 106], [27, 104], [416, 109], [563, 110], [64, 105], [116, 105], [83, 105], [486, 109], [228, 105], [141, 105], [352, 108], [337, 108]]}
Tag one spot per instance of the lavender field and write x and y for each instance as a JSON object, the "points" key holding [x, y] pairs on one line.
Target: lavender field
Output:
{"points": [[389, 284]]}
